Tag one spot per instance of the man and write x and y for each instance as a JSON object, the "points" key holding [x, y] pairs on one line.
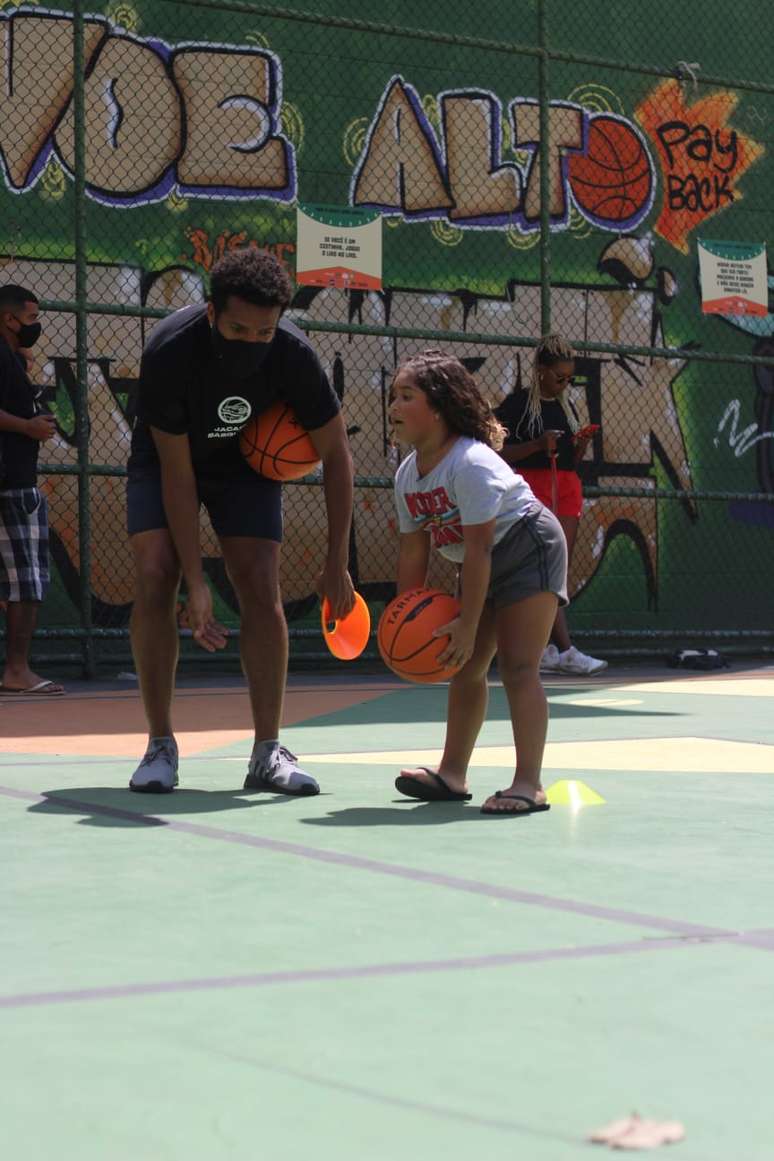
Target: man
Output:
{"points": [[23, 511], [205, 371]]}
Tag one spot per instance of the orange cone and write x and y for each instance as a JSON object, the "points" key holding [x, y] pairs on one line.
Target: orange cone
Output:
{"points": [[348, 637]]}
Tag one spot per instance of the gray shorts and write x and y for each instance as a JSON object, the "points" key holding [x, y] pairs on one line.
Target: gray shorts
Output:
{"points": [[530, 558]]}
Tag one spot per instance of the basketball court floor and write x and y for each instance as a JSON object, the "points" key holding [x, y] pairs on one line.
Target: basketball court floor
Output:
{"points": [[215, 974]]}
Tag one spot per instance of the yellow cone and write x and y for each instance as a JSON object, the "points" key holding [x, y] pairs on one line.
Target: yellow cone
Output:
{"points": [[569, 792]]}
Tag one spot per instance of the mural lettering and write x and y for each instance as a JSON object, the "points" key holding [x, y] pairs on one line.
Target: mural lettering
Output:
{"points": [[199, 117], [702, 157], [739, 441], [455, 168]]}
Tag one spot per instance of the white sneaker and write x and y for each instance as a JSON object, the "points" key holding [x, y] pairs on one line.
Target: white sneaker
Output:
{"points": [[157, 772], [549, 662], [580, 664]]}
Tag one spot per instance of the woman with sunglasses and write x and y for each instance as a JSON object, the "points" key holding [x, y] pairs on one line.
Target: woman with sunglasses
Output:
{"points": [[544, 445]]}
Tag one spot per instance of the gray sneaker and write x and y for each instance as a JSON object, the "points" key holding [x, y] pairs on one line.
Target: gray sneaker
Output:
{"points": [[275, 768], [157, 772]]}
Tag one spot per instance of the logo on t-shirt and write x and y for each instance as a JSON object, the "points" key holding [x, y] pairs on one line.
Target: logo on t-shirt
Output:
{"points": [[444, 524], [234, 410]]}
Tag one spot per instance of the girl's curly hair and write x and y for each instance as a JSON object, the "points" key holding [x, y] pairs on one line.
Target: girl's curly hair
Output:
{"points": [[452, 391]]}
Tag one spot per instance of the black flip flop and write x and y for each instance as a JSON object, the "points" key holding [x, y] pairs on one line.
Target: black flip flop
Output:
{"points": [[532, 806], [413, 788]]}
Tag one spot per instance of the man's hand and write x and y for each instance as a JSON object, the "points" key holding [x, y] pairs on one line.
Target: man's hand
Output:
{"points": [[206, 630], [41, 427], [335, 583], [462, 641]]}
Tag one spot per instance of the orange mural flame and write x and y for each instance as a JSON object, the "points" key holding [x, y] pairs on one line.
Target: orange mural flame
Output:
{"points": [[206, 254], [702, 156]]}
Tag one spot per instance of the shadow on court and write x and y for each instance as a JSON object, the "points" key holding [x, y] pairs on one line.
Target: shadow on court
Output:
{"points": [[423, 706], [111, 806], [418, 814]]}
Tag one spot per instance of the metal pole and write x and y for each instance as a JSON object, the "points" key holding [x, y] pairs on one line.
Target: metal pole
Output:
{"points": [[545, 186], [81, 339]]}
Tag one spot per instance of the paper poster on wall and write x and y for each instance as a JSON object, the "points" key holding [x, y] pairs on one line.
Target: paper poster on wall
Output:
{"points": [[733, 277], [338, 246]]}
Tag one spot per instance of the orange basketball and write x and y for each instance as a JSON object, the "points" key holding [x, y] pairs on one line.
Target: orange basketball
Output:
{"points": [[405, 634], [276, 446], [613, 179]]}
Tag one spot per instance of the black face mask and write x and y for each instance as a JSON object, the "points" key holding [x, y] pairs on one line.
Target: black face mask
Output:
{"points": [[28, 333], [239, 359]]}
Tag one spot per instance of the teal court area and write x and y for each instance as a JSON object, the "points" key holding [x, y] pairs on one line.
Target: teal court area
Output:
{"points": [[215, 974]]}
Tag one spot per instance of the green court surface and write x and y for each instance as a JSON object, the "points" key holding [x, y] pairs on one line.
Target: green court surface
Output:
{"points": [[353, 977]]}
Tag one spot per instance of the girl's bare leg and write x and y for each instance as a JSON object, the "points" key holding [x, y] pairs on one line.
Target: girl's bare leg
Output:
{"points": [[468, 697], [560, 634], [522, 631]]}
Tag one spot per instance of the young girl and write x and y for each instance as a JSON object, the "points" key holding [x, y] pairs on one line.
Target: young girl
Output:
{"points": [[455, 490], [543, 425]]}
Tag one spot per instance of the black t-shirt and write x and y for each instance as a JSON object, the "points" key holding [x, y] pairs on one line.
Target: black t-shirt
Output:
{"points": [[513, 415], [184, 390], [18, 396]]}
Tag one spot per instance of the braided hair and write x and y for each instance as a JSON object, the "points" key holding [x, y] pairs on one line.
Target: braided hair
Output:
{"points": [[551, 349]]}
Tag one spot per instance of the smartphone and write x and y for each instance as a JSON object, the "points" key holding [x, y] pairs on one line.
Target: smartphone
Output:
{"points": [[587, 431]]}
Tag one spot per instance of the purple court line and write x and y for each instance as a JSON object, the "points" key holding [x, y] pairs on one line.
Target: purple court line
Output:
{"points": [[322, 975], [395, 870], [764, 940]]}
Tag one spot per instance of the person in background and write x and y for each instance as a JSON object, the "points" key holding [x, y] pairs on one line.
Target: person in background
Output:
{"points": [[24, 573], [545, 444]]}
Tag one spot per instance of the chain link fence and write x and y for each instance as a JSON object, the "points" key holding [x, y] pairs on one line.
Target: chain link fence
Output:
{"points": [[536, 168]]}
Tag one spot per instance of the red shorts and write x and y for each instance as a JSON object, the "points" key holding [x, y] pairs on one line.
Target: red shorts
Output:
{"points": [[568, 490]]}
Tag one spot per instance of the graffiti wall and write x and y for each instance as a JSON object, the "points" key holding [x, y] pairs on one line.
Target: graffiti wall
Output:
{"points": [[204, 128]]}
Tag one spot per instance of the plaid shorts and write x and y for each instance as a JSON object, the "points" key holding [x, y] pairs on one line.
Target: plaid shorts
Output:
{"points": [[23, 545]]}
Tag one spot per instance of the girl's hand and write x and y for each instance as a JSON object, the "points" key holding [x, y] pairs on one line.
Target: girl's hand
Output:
{"points": [[462, 641]]}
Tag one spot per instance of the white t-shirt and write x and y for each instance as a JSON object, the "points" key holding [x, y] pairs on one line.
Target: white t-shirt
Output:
{"points": [[470, 485]]}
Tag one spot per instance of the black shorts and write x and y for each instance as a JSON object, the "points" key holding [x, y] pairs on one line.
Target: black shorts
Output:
{"points": [[239, 503]]}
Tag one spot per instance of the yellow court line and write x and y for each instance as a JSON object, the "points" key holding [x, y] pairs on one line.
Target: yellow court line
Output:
{"points": [[686, 755], [724, 687]]}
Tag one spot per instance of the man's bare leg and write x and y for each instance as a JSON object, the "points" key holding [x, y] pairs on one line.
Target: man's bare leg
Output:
{"points": [[20, 620], [154, 637], [253, 568]]}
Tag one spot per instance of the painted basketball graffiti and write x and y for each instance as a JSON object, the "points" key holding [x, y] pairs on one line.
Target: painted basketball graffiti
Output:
{"points": [[612, 181]]}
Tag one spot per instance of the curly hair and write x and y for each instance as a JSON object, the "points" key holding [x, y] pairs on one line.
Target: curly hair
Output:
{"points": [[452, 391], [551, 349], [254, 275]]}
